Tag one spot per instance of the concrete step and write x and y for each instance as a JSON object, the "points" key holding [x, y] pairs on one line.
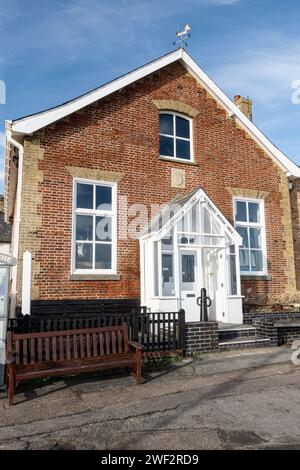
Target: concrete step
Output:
{"points": [[244, 343], [234, 332]]}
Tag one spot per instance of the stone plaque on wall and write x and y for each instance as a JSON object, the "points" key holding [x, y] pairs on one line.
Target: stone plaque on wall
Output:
{"points": [[177, 178]]}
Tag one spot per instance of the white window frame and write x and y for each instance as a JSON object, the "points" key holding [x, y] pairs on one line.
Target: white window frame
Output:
{"points": [[262, 226], [100, 213], [174, 137]]}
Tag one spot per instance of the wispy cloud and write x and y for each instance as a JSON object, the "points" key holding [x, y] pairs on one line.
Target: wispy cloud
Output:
{"points": [[265, 71]]}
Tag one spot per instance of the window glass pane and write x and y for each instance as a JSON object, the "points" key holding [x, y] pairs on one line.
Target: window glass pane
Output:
{"points": [[103, 256], [253, 208], [166, 146], [188, 268], [244, 260], [103, 229], [195, 216], [256, 260], [183, 149], [255, 237], [216, 229], [206, 221], [84, 196], [243, 231], [183, 225], [104, 198], [182, 127], [167, 274], [232, 272], [166, 124], [240, 211], [84, 256], [84, 227]]}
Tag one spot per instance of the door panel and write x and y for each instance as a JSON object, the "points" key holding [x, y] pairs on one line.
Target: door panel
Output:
{"points": [[189, 284]]}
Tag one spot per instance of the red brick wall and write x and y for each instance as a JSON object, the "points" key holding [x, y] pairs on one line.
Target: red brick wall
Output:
{"points": [[121, 134]]}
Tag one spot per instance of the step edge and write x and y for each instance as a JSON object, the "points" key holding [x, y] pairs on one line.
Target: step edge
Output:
{"points": [[254, 340]]}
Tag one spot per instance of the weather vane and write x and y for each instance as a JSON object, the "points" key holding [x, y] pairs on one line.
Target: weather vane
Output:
{"points": [[183, 36]]}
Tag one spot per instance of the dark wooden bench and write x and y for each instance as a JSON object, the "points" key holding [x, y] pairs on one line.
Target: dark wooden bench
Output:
{"points": [[55, 353]]}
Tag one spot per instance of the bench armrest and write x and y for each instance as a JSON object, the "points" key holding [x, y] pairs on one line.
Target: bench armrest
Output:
{"points": [[135, 345]]}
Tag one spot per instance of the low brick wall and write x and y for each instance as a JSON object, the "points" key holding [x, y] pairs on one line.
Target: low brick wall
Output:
{"points": [[201, 337], [248, 318], [286, 335], [266, 326]]}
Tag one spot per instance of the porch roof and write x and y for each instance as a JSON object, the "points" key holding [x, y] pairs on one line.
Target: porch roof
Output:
{"points": [[173, 212]]}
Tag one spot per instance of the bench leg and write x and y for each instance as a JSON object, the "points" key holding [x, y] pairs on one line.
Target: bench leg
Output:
{"points": [[138, 367], [10, 384]]}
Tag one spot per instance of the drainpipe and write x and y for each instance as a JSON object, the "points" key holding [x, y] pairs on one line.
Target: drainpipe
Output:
{"points": [[17, 217]]}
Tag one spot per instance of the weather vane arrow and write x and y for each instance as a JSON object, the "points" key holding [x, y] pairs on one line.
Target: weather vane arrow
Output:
{"points": [[183, 36]]}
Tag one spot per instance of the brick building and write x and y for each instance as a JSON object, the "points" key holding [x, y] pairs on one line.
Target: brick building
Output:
{"points": [[151, 187]]}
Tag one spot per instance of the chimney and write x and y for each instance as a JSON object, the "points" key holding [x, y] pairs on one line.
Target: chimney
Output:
{"points": [[244, 104]]}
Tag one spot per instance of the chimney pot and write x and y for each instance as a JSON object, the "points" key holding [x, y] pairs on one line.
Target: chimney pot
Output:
{"points": [[244, 105]]}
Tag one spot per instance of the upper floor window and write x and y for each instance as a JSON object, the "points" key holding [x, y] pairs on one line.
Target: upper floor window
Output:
{"points": [[175, 136], [94, 227], [250, 224]]}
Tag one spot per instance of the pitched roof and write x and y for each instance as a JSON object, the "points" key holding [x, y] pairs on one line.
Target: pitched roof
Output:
{"points": [[32, 123]]}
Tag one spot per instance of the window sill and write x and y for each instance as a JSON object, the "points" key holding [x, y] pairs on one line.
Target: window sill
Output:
{"points": [[95, 277], [174, 160], [260, 277]]}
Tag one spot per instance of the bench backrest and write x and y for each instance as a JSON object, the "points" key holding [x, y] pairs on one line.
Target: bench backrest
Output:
{"points": [[34, 348]]}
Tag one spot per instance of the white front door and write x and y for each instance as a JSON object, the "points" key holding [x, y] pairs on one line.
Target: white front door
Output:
{"points": [[213, 269], [189, 284]]}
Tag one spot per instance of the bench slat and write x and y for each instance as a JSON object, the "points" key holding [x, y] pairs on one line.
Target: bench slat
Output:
{"points": [[17, 352], [47, 349], [25, 351], [113, 340], [40, 350], [107, 343], [75, 346], [88, 345], [68, 344], [120, 349], [94, 344], [81, 345], [101, 343], [61, 348], [32, 351]]}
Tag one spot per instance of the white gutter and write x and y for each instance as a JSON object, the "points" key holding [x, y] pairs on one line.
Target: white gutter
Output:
{"points": [[16, 222]]}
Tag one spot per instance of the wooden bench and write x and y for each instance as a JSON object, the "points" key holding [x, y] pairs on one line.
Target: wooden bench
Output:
{"points": [[55, 353]]}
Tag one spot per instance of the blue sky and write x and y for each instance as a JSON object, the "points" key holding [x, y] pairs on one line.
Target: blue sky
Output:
{"points": [[54, 50]]}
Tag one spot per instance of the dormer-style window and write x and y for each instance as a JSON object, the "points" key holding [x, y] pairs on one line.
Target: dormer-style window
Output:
{"points": [[175, 136]]}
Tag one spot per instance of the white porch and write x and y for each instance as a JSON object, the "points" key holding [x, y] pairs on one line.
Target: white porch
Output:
{"points": [[189, 246]]}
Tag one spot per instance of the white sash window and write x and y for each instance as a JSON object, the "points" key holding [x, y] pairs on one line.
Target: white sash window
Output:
{"points": [[94, 228], [250, 224]]}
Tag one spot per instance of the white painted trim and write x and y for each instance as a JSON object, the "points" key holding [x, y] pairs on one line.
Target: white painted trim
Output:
{"points": [[280, 158], [199, 196], [31, 124], [113, 214]]}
